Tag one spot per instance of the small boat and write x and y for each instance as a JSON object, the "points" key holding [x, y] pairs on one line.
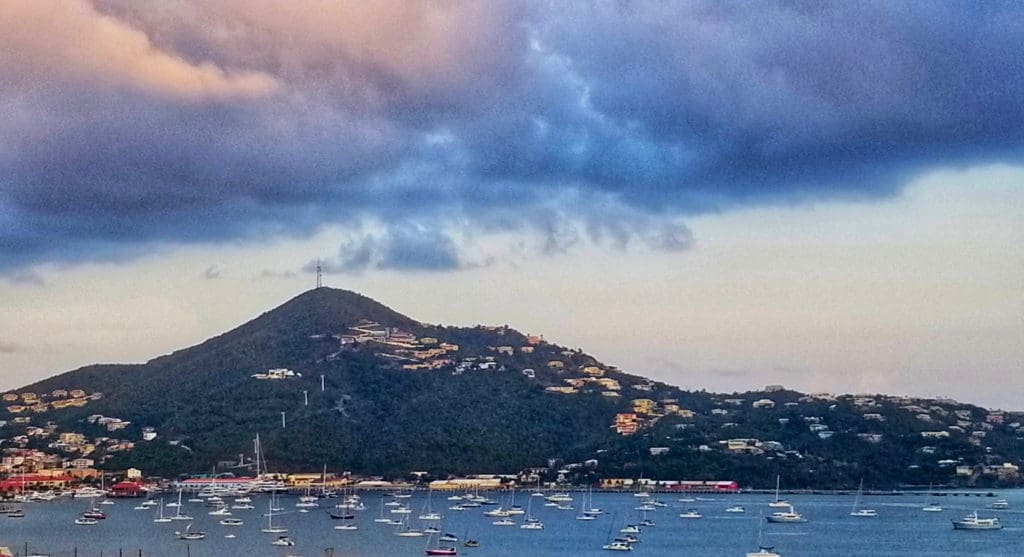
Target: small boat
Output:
{"points": [[448, 538], [630, 529], [1000, 505], [283, 541], [230, 536], [617, 546], [504, 522], [16, 513], [857, 511], [348, 526], [188, 534], [83, 521], [931, 507], [736, 509], [231, 522], [973, 522], [692, 513], [220, 511], [94, 513], [471, 543]]}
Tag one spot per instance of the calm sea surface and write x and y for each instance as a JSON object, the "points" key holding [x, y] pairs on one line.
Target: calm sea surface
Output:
{"points": [[901, 529]]}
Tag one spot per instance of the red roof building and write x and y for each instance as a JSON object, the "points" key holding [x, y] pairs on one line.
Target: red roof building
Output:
{"points": [[127, 489]]}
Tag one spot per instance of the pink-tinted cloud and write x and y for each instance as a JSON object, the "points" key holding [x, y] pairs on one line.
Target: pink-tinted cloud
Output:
{"points": [[49, 43]]}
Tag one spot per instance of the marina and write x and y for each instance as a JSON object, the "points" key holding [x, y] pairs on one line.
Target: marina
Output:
{"points": [[902, 528]]}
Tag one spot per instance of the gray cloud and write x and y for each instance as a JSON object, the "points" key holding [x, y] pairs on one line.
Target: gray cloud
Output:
{"points": [[406, 247], [212, 272], [599, 122]]}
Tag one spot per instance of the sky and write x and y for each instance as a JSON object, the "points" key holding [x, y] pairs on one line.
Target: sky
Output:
{"points": [[718, 195]]}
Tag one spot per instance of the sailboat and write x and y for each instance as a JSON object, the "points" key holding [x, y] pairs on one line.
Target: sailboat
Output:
{"points": [[584, 515], [427, 513], [271, 529], [404, 531], [437, 548], [857, 511], [531, 523], [762, 550], [513, 508], [382, 519], [537, 493], [188, 534], [932, 506], [160, 514], [177, 514], [778, 503]]}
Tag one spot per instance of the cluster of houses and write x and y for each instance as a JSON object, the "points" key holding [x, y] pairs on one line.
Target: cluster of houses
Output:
{"points": [[44, 456], [646, 412], [33, 403], [399, 347]]}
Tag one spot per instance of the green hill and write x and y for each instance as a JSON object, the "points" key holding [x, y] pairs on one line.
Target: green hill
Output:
{"points": [[399, 395]]}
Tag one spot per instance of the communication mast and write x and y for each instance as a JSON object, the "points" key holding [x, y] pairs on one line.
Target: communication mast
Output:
{"points": [[319, 274]]}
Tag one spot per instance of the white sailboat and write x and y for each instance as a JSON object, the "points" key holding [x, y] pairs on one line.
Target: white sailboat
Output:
{"points": [[932, 506], [530, 522], [178, 514], [160, 514], [405, 531], [271, 529], [857, 510], [762, 549], [778, 503]]}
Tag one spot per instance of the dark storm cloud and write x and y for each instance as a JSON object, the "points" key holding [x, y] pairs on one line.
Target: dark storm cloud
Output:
{"points": [[600, 121]]}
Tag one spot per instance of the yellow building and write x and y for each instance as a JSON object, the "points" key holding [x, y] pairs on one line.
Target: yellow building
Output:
{"points": [[644, 406]]}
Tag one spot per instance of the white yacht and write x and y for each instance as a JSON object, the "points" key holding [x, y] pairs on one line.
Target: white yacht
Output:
{"points": [[973, 522], [786, 517]]}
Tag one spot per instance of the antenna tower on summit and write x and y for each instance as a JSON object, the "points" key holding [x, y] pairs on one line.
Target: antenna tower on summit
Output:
{"points": [[319, 273]]}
